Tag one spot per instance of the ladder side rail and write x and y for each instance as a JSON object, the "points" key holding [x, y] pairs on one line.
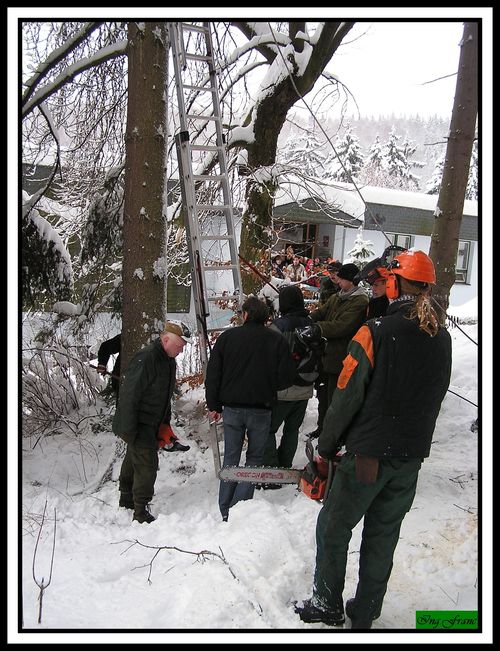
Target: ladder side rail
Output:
{"points": [[223, 164]]}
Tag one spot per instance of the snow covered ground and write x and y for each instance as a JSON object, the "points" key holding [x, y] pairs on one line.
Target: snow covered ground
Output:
{"points": [[189, 577]]}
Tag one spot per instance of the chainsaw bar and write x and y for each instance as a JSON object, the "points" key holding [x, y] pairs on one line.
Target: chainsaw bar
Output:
{"points": [[260, 475]]}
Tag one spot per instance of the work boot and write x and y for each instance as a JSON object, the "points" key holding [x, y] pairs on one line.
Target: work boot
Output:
{"points": [[126, 500], [270, 487], [311, 613], [143, 514], [358, 621], [176, 446]]}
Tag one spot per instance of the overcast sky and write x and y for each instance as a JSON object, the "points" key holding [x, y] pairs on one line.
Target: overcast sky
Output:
{"points": [[386, 66]]}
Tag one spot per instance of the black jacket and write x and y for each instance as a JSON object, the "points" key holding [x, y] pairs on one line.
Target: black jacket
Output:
{"points": [[410, 377], [248, 365], [106, 349], [145, 395], [377, 307]]}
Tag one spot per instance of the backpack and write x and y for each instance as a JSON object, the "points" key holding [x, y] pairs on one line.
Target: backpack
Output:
{"points": [[308, 347]]}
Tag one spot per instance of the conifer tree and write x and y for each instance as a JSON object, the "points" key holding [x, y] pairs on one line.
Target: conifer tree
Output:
{"points": [[347, 161]]}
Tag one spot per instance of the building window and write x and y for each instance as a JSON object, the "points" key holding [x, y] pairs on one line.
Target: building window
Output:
{"points": [[406, 241], [462, 265], [178, 296]]}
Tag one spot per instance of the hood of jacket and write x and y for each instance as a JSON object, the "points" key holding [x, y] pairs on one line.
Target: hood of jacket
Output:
{"points": [[291, 299]]}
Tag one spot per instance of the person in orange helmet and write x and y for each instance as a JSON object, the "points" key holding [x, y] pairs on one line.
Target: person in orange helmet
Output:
{"points": [[395, 376]]}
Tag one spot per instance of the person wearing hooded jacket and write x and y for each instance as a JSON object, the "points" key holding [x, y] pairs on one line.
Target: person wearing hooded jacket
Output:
{"points": [[389, 394], [339, 319], [291, 405]]}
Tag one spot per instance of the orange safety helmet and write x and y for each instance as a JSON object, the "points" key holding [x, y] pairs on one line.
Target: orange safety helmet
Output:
{"points": [[412, 265]]}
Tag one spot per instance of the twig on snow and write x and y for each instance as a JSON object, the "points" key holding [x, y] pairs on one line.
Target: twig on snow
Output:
{"points": [[201, 556], [42, 585]]}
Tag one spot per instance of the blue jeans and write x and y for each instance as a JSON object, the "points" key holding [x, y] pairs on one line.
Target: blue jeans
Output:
{"points": [[255, 423]]}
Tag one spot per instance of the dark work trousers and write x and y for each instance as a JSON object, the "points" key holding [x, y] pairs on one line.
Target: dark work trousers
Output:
{"points": [[383, 504], [291, 414], [138, 474], [238, 421]]}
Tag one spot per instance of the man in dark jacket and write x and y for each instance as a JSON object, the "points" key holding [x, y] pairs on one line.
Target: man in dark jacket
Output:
{"points": [[248, 365], [290, 408], [144, 404], [389, 395]]}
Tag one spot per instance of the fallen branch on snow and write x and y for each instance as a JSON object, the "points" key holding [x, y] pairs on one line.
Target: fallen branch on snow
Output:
{"points": [[202, 557]]}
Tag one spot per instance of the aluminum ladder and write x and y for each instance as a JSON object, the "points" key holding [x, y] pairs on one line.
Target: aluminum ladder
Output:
{"points": [[205, 190]]}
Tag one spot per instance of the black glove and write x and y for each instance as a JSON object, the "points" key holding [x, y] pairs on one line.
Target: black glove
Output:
{"points": [[328, 454]]}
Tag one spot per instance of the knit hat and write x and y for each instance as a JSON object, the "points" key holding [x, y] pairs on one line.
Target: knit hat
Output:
{"points": [[291, 299], [178, 328], [348, 271]]}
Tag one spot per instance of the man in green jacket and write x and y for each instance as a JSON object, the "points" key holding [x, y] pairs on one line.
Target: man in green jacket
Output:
{"points": [[144, 404], [339, 319]]}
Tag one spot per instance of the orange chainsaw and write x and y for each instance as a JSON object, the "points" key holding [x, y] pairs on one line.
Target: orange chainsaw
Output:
{"points": [[314, 480]]}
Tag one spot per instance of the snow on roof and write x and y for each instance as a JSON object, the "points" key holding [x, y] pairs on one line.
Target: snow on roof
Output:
{"points": [[346, 197], [346, 201]]}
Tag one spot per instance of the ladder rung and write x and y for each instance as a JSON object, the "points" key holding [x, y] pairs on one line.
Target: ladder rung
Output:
{"points": [[221, 297], [220, 267], [202, 89], [198, 57], [206, 147], [206, 206], [208, 177], [217, 237], [194, 28], [192, 116]]}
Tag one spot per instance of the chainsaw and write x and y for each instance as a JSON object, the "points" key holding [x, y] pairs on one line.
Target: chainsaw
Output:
{"points": [[314, 480]]}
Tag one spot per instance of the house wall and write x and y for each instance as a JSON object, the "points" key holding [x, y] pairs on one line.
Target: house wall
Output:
{"points": [[460, 292]]}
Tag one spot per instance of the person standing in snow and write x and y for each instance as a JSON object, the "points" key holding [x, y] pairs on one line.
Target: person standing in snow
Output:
{"points": [[106, 349], [143, 408], [338, 320], [290, 408], [248, 365], [394, 379]]}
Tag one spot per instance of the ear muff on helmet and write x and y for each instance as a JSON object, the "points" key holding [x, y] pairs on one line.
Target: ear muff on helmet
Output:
{"points": [[392, 287]]}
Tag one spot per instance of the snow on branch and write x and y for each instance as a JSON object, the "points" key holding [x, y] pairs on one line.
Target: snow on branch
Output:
{"points": [[57, 56], [104, 54]]}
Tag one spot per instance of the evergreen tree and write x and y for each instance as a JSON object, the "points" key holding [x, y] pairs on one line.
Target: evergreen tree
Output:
{"points": [[397, 161], [348, 160], [304, 151], [409, 149], [434, 183], [375, 156], [361, 251]]}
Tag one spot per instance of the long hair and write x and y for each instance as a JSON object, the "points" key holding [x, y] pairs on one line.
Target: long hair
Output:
{"points": [[422, 310]]}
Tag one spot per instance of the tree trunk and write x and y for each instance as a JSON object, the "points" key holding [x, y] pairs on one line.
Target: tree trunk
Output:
{"points": [[449, 210], [269, 115], [143, 222]]}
